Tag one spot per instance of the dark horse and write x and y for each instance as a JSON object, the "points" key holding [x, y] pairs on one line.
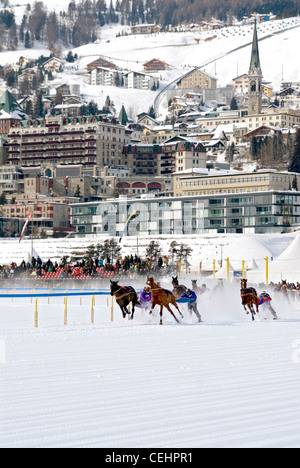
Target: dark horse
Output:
{"points": [[183, 294], [124, 296], [162, 298], [249, 298]]}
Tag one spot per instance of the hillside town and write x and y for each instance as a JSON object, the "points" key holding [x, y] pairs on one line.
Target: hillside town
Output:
{"points": [[223, 159]]}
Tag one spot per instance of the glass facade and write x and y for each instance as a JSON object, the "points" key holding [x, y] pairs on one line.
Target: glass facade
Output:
{"points": [[252, 213]]}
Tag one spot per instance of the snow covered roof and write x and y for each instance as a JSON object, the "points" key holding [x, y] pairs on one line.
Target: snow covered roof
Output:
{"points": [[204, 172]]}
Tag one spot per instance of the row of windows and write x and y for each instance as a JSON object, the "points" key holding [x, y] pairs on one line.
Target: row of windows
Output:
{"points": [[226, 181]]}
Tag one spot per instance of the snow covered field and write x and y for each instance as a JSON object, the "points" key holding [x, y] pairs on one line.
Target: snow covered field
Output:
{"points": [[227, 382]]}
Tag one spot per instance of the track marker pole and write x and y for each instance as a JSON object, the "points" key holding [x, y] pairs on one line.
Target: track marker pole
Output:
{"points": [[112, 309], [66, 311], [36, 314], [92, 310]]}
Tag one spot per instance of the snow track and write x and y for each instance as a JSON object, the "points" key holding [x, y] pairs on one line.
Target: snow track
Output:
{"points": [[223, 383]]}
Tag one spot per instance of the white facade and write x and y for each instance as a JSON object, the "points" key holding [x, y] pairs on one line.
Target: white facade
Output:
{"points": [[103, 77], [135, 80]]}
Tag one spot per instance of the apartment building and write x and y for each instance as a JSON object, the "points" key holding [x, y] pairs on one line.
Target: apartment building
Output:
{"points": [[104, 77], [178, 154], [11, 180], [88, 141], [130, 80], [251, 213], [50, 215], [157, 134], [136, 80]]}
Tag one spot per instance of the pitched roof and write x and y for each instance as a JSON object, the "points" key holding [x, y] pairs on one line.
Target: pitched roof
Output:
{"points": [[10, 107]]}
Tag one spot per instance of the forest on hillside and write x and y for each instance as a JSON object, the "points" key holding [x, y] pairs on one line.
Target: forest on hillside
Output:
{"points": [[79, 24]]}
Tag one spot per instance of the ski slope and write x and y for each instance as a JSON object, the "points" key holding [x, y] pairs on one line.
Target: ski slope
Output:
{"points": [[227, 382]]}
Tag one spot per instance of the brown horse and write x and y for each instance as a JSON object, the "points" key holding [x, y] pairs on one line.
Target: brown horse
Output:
{"points": [[162, 298], [249, 298], [124, 296]]}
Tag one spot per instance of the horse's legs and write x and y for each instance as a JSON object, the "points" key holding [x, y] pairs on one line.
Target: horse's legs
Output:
{"points": [[252, 312], [161, 314], [123, 311], [135, 300], [175, 305], [172, 313], [154, 303]]}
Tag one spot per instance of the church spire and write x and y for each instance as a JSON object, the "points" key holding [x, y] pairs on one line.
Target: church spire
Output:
{"points": [[255, 61], [255, 78]]}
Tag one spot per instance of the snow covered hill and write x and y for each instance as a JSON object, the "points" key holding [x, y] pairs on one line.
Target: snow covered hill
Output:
{"points": [[226, 56]]}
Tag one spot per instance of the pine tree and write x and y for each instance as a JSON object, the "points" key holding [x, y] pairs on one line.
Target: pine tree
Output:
{"points": [[27, 42], [183, 254], [295, 164], [295, 183], [153, 251], [111, 250], [234, 104], [38, 107]]}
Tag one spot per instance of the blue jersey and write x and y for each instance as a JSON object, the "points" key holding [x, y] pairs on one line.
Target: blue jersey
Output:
{"points": [[264, 299]]}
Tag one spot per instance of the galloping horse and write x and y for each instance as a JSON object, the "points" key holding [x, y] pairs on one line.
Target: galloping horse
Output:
{"points": [[162, 298], [249, 298], [185, 295], [124, 296]]}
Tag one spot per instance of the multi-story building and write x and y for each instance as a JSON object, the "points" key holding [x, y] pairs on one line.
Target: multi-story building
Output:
{"points": [[130, 80], [205, 182], [289, 97], [283, 118], [157, 134], [155, 65], [252, 213], [136, 80], [290, 84], [105, 76], [11, 180], [53, 64], [88, 141], [48, 214], [197, 79], [178, 154]]}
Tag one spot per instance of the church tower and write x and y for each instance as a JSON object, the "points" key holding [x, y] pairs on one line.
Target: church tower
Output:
{"points": [[255, 78]]}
